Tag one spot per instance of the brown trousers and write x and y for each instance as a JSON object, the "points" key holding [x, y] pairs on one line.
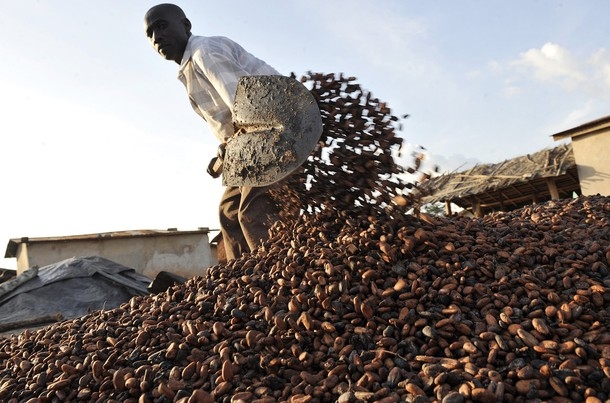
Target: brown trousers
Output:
{"points": [[246, 214]]}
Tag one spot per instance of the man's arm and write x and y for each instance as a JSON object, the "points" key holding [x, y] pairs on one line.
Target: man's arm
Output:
{"points": [[223, 72]]}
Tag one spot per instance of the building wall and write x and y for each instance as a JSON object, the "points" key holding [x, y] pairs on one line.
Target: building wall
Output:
{"points": [[592, 155], [186, 255]]}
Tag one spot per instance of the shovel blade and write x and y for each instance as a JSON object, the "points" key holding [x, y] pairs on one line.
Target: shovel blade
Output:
{"points": [[278, 125]]}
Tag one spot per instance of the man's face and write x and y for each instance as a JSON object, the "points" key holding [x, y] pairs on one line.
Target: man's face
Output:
{"points": [[167, 32]]}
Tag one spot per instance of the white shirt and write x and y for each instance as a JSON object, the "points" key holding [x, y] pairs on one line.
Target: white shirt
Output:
{"points": [[210, 70]]}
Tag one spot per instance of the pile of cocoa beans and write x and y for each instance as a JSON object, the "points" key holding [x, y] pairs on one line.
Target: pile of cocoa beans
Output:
{"points": [[512, 307]]}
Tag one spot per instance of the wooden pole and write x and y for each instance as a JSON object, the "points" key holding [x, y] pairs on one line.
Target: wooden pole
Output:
{"points": [[550, 182], [476, 209]]}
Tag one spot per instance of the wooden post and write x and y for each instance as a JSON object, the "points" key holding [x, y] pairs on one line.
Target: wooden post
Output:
{"points": [[477, 210], [448, 208], [550, 182]]}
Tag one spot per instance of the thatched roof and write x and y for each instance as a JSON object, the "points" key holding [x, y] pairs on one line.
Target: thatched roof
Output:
{"points": [[511, 182]]}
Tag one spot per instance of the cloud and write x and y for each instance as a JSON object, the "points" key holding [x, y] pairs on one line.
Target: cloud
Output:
{"points": [[556, 66], [383, 37], [581, 113], [552, 64], [600, 62]]}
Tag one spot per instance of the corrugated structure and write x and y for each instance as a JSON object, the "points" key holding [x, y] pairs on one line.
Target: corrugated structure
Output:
{"points": [[484, 188]]}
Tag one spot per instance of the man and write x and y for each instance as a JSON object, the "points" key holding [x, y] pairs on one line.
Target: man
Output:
{"points": [[210, 68]]}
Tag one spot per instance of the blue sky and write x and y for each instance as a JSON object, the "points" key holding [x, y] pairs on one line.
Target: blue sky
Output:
{"points": [[98, 135]]}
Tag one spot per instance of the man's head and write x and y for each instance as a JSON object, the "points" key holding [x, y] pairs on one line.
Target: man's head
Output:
{"points": [[168, 30]]}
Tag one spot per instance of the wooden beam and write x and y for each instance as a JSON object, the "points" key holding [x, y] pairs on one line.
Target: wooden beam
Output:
{"points": [[550, 182], [476, 209], [576, 180], [512, 200], [534, 191], [492, 176], [501, 197]]}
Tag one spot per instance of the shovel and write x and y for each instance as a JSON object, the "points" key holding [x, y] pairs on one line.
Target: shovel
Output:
{"points": [[277, 126]]}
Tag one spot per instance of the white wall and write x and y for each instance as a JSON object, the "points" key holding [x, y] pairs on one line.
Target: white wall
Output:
{"points": [[592, 155], [186, 255]]}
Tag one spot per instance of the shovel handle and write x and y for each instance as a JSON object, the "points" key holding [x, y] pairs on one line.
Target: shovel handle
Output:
{"points": [[215, 165]]}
